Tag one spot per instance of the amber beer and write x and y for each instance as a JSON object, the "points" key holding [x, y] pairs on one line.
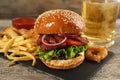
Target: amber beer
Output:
{"points": [[100, 20]]}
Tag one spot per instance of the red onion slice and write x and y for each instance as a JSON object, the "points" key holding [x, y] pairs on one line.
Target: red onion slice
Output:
{"points": [[43, 37]]}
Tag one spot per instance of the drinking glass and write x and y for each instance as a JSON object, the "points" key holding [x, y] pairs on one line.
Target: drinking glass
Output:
{"points": [[100, 20]]}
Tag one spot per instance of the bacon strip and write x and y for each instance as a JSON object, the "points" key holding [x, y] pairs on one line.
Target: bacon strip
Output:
{"points": [[77, 41]]}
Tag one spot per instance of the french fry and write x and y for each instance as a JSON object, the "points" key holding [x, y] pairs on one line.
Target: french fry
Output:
{"points": [[8, 45], [10, 50], [5, 39], [22, 58], [15, 53], [1, 50], [11, 63], [23, 42], [16, 59], [28, 45], [2, 44], [27, 56], [16, 46], [9, 31], [19, 38], [32, 49], [12, 54], [22, 48], [30, 56]]}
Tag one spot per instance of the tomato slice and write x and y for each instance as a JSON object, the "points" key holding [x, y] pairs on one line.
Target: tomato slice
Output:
{"points": [[73, 42], [23, 22]]}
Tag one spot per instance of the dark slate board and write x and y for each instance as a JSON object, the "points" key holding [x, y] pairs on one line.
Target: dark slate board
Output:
{"points": [[84, 72]]}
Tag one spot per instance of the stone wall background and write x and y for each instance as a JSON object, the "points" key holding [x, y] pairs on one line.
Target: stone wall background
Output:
{"points": [[20, 8]]}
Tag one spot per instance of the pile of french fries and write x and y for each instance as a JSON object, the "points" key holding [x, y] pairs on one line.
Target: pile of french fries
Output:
{"points": [[18, 45]]}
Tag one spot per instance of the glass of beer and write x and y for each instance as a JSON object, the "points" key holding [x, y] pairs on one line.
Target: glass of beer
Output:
{"points": [[100, 20]]}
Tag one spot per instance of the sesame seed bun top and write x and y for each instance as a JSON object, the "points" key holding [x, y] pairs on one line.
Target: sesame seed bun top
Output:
{"points": [[59, 21]]}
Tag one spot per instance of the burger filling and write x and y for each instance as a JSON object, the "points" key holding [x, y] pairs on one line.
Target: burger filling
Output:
{"points": [[60, 46]]}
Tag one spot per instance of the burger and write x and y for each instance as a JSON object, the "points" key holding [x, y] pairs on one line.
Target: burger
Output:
{"points": [[61, 44]]}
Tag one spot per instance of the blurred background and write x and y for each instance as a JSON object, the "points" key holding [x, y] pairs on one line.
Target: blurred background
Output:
{"points": [[32, 8]]}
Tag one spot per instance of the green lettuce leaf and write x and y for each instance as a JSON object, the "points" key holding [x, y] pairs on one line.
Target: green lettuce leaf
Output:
{"points": [[68, 53]]}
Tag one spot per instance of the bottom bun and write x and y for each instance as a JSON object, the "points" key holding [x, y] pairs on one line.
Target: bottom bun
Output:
{"points": [[65, 64]]}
